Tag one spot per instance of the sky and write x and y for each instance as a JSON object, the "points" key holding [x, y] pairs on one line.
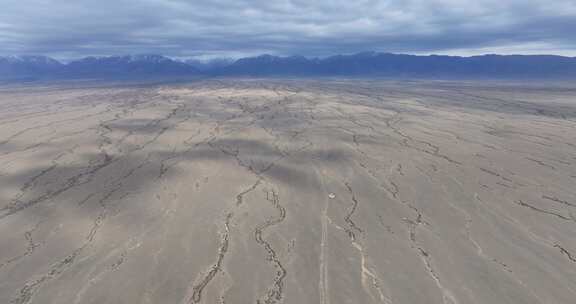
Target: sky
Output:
{"points": [[202, 29]]}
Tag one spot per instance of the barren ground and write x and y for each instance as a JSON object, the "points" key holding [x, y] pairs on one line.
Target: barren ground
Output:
{"points": [[249, 191]]}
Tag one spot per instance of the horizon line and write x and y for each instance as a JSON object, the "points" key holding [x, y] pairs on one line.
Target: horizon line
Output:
{"points": [[235, 58]]}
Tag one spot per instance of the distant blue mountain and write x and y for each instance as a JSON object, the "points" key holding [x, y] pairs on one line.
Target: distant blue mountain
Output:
{"points": [[121, 66], [368, 64], [28, 66], [398, 65], [271, 65], [41, 67], [209, 65]]}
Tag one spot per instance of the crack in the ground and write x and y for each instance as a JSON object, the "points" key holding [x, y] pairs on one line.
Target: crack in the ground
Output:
{"points": [[557, 200], [275, 292], [558, 215], [31, 245], [570, 256], [85, 176], [348, 218], [198, 288]]}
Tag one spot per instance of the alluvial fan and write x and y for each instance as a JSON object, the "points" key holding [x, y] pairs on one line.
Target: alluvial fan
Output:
{"points": [[288, 191]]}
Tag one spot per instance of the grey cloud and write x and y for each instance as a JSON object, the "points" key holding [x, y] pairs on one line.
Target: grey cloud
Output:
{"points": [[74, 28]]}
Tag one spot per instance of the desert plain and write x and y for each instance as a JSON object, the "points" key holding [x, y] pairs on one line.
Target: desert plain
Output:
{"points": [[288, 191]]}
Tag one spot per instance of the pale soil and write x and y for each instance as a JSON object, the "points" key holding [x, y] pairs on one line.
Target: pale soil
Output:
{"points": [[272, 191]]}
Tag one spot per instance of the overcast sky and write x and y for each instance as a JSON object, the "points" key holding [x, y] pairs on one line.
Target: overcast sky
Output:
{"points": [[68, 29]]}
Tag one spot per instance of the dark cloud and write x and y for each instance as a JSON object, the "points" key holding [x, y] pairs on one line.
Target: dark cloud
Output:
{"points": [[74, 28]]}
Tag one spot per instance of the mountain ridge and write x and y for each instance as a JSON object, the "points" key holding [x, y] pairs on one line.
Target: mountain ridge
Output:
{"points": [[355, 65]]}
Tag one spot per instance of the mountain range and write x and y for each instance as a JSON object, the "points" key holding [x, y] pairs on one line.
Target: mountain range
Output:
{"points": [[368, 64]]}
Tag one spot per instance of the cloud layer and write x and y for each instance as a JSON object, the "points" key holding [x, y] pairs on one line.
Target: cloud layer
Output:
{"points": [[202, 28]]}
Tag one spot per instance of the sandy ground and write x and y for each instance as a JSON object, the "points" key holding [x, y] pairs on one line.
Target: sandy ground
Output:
{"points": [[239, 191]]}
